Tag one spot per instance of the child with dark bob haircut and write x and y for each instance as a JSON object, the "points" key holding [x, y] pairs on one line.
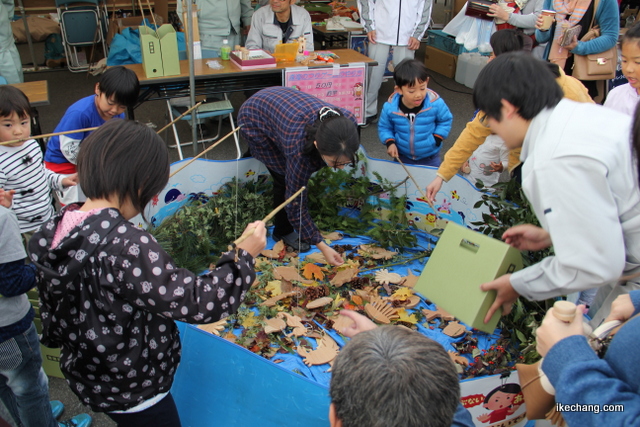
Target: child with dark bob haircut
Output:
{"points": [[110, 294], [22, 173], [117, 90], [415, 120]]}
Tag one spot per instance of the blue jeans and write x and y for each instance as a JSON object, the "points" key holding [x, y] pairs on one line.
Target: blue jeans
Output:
{"points": [[425, 161], [24, 387]]}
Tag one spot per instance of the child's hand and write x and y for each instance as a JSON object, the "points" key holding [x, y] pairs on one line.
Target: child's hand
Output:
{"points": [[255, 243], [70, 181], [6, 197], [392, 151], [465, 167], [360, 323], [497, 167]]}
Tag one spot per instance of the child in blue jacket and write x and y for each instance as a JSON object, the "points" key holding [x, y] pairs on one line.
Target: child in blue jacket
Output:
{"points": [[415, 120]]}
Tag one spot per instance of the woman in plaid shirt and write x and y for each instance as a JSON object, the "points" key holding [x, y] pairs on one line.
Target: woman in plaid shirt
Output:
{"points": [[296, 134]]}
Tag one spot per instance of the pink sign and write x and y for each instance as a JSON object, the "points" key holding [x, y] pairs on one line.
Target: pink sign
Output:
{"points": [[340, 86]]}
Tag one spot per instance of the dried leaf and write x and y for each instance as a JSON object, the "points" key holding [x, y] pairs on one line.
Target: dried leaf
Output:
{"points": [[376, 252], [274, 287], [230, 336], [312, 271], [357, 299], [404, 316], [332, 236], [402, 294], [290, 274], [278, 251], [337, 303], [249, 321], [344, 276], [316, 257]]}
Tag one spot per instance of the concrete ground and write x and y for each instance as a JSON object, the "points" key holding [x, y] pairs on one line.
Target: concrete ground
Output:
{"points": [[66, 87]]}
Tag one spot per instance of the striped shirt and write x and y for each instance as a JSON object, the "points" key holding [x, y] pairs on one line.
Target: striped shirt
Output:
{"points": [[22, 170], [273, 124]]}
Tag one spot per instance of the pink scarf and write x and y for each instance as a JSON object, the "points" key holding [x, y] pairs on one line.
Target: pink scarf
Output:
{"points": [[576, 10]]}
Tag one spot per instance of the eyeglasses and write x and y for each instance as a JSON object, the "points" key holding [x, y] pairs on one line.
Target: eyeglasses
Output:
{"points": [[483, 119], [336, 164]]}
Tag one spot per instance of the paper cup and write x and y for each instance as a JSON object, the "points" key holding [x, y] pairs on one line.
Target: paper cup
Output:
{"points": [[548, 16]]}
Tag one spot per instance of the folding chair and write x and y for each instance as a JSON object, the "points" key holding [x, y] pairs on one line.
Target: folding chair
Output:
{"points": [[81, 24], [219, 109]]}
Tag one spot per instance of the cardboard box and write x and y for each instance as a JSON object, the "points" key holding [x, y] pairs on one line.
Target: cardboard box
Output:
{"points": [[441, 62], [159, 51], [462, 260], [258, 58]]}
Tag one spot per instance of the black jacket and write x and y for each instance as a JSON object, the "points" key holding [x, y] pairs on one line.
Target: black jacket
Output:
{"points": [[110, 296]]}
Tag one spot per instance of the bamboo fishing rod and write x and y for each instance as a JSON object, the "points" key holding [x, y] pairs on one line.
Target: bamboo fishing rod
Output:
{"points": [[180, 116], [48, 135], [424, 196], [268, 217], [208, 149]]}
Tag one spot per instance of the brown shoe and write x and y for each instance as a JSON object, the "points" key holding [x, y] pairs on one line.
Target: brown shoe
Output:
{"points": [[55, 63]]}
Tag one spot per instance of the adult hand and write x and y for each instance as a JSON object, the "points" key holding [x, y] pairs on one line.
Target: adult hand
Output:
{"points": [[257, 240], [573, 44], [392, 151], [372, 36], [414, 43], [497, 167], [70, 181], [621, 309], [433, 188], [540, 23], [505, 296], [360, 323], [6, 197], [330, 254], [553, 330], [527, 237], [499, 12]]}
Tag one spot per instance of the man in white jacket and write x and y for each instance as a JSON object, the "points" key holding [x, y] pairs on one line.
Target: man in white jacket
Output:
{"points": [[391, 23], [579, 175]]}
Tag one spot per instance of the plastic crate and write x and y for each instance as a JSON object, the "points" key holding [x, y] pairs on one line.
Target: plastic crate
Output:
{"points": [[445, 42]]}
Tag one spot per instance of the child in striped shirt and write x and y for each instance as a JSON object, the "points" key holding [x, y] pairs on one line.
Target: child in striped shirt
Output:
{"points": [[22, 172]]}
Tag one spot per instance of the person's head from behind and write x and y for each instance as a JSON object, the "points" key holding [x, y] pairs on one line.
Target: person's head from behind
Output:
{"points": [[411, 78], [507, 40], [124, 162], [334, 137], [392, 376], [630, 56], [15, 115], [117, 89], [510, 91]]}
